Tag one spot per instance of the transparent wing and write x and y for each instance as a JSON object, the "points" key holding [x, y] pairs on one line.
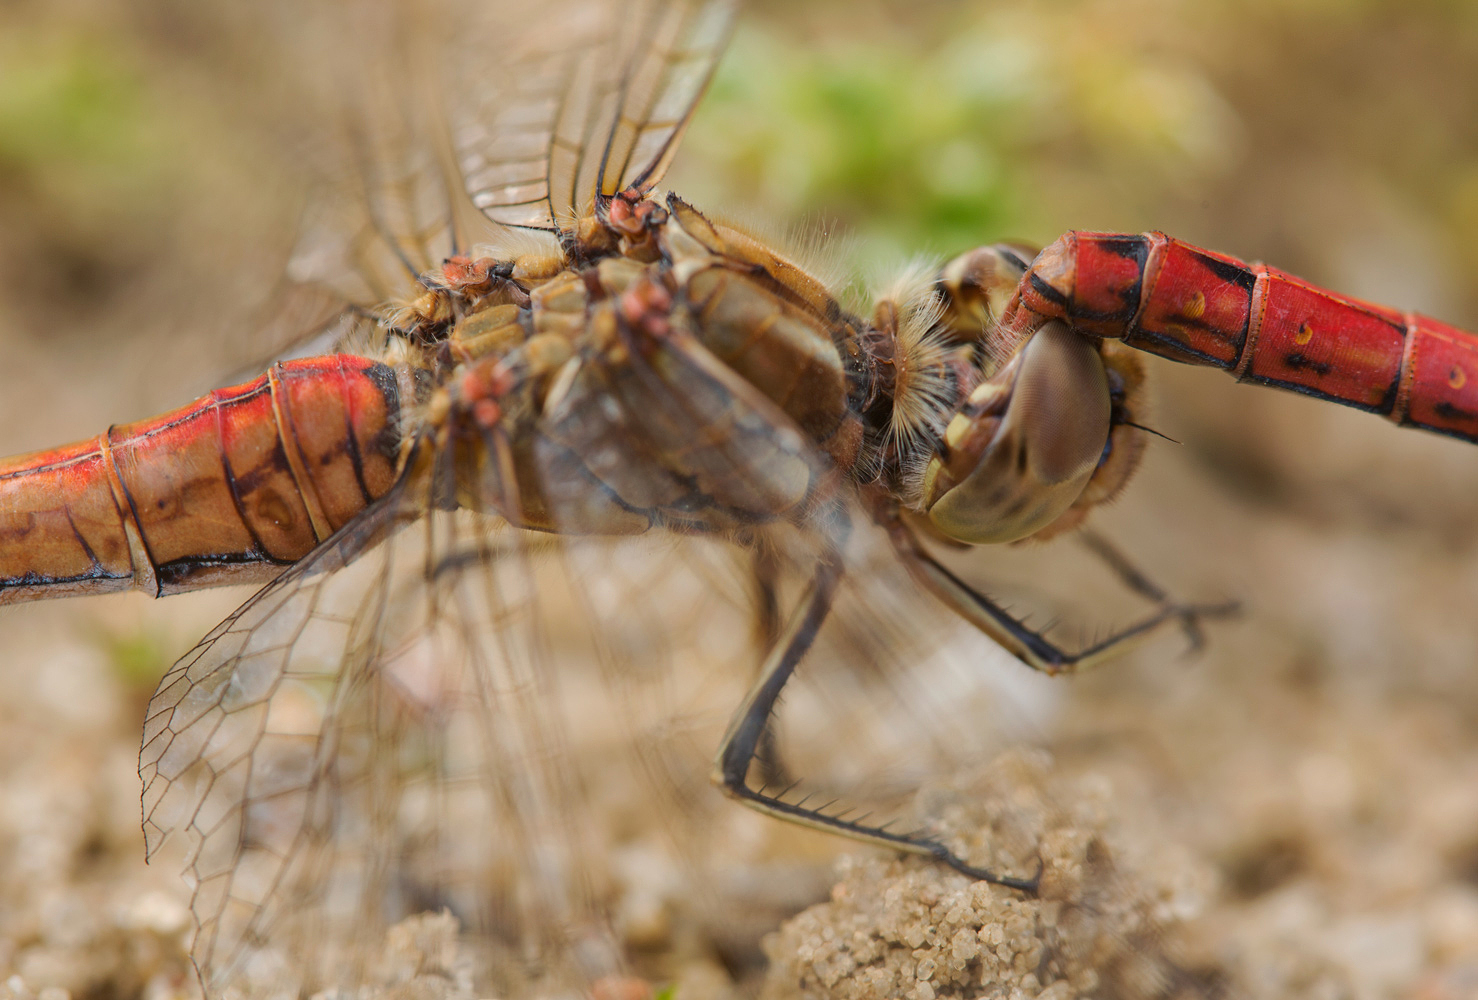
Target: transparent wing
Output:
{"points": [[592, 99], [376, 734], [433, 727], [664, 79], [249, 742], [385, 205], [524, 120]]}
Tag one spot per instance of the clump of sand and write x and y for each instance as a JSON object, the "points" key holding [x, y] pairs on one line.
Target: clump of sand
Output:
{"points": [[910, 928]]}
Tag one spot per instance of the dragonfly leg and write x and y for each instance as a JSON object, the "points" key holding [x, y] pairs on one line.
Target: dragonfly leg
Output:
{"points": [[1027, 644], [1135, 579], [766, 569], [751, 721]]}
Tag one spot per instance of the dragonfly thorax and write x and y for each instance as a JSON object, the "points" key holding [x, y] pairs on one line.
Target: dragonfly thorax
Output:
{"points": [[698, 378], [657, 368]]}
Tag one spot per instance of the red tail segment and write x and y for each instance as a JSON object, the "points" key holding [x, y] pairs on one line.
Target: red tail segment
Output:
{"points": [[1261, 324], [230, 489]]}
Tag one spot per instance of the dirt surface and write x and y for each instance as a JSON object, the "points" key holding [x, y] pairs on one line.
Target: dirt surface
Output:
{"points": [[909, 928], [1292, 812]]}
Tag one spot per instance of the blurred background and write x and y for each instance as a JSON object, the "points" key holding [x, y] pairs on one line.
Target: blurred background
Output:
{"points": [[1319, 760]]}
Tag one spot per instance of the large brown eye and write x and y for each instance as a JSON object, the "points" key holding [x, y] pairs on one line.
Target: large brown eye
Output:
{"points": [[1026, 445]]}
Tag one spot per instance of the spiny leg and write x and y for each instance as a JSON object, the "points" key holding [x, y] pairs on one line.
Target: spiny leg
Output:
{"points": [[1135, 579], [1027, 644], [751, 721]]}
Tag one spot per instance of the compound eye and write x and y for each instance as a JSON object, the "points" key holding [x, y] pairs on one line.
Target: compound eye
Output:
{"points": [[1026, 443]]}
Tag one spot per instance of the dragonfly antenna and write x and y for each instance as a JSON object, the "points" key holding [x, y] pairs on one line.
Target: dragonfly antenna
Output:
{"points": [[1150, 430]]}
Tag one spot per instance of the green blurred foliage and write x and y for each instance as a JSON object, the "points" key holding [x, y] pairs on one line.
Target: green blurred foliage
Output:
{"points": [[854, 131], [64, 104], [79, 129], [88, 159], [137, 658], [935, 138], [1305, 132]]}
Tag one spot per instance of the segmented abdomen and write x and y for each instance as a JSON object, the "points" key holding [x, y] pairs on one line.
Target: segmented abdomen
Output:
{"points": [[229, 489], [1262, 324]]}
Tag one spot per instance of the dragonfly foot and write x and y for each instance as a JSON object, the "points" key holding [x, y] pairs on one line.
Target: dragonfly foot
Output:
{"points": [[1193, 615], [1029, 886]]}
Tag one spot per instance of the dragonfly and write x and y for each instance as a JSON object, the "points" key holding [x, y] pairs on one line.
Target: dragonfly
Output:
{"points": [[540, 370]]}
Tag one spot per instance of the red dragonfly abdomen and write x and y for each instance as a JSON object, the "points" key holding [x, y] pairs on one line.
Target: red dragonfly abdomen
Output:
{"points": [[1259, 323], [232, 488]]}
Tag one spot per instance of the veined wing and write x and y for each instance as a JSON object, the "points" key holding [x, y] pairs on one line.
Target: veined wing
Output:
{"points": [[375, 734], [240, 751], [592, 101], [524, 122], [385, 204], [664, 80], [327, 750]]}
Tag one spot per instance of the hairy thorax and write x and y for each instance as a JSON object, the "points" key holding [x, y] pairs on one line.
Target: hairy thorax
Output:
{"points": [[660, 369]]}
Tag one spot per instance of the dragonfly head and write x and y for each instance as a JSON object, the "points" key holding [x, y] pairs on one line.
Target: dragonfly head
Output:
{"points": [[1023, 447]]}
